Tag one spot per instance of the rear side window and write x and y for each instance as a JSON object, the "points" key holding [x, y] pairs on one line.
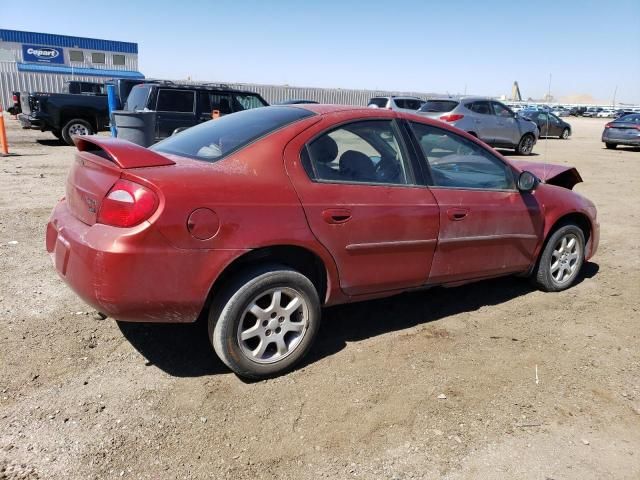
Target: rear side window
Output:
{"points": [[137, 99], [483, 108], [439, 106], [378, 102], [215, 139], [175, 101], [408, 103]]}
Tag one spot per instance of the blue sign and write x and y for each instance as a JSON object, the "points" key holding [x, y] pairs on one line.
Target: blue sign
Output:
{"points": [[35, 53]]}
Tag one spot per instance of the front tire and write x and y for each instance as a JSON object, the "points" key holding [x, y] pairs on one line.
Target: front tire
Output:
{"points": [[611, 146], [75, 127], [265, 321], [561, 259], [525, 146], [565, 134]]}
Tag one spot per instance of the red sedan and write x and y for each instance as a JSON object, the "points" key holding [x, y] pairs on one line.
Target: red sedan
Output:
{"points": [[260, 218]]}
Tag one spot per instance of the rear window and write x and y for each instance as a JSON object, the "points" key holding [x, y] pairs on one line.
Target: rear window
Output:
{"points": [[247, 101], [137, 99], [408, 103], [215, 139], [378, 102], [632, 118], [438, 106]]}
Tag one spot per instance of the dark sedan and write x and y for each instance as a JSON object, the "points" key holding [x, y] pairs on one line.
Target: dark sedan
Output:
{"points": [[622, 131], [549, 124]]}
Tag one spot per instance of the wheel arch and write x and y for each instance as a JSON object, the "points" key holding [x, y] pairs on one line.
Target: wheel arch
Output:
{"points": [[301, 259]]}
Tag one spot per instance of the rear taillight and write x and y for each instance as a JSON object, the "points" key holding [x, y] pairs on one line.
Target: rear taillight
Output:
{"points": [[127, 204], [452, 118], [608, 125]]}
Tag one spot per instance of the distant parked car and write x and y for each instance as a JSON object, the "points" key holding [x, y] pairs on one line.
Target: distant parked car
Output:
{"points": [[179, 107], [489, 120], [622, 113], [398, 104], [257, 220], [606, 113], [548, 124], [592, 112], [577, 111], [622, 131], [560, 111]]}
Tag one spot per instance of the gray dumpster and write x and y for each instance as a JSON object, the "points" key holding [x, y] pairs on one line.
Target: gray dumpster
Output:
{"points": [[137, 127]]}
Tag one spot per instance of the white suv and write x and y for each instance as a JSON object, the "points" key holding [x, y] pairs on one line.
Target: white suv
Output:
{"points": [[398, 104]]}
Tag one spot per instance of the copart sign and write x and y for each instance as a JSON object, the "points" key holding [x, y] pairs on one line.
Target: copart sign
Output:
{"points": [[39, 54]]}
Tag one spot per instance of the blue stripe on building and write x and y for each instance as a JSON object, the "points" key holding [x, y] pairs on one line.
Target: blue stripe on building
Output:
{"points": [[66, 70], [52, 40]]}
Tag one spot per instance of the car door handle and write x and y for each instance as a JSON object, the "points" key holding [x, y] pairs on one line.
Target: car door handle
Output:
{"points": [[336, 216], [457, 214]]}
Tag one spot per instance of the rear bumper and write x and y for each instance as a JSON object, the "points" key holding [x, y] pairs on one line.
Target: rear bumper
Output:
{"points": [[132, 274], [621, 139], [28, 121]]}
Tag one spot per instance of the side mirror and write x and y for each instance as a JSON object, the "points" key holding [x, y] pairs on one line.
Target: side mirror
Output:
{"points": [[527, 181]]}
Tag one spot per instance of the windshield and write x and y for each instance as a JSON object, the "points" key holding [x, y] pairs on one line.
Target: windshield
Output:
{"points": [[438, 106], [212, 140]]}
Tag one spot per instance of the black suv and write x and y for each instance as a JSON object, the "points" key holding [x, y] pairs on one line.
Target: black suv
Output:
{"points": [[182, 106]]}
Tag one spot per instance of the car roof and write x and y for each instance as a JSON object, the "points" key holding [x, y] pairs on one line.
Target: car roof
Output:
{"points": [[201, 86]]}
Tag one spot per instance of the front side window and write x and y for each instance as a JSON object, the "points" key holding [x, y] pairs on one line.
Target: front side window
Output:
{"points": [[180, 101], [455, 162], [97, 57], [501, 111], [482, 108], [118, 59], [360, 152], [247, 101], [76, 55]]}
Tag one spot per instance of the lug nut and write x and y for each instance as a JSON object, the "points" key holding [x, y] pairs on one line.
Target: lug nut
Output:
{"points": [[267, 333]]}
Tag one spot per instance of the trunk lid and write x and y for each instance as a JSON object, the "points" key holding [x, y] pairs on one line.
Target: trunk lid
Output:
{"points": [[561, 175], [99, 163]]}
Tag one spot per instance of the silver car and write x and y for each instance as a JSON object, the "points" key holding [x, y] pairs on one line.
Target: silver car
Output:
{"points": [[397, 104], [489, 120], [622, 131]]}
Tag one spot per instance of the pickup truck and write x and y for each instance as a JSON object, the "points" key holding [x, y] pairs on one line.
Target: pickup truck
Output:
{"points": [[69, 114]]}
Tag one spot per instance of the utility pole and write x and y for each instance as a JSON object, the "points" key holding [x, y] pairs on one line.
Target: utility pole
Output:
{"points": [[614, 96]]}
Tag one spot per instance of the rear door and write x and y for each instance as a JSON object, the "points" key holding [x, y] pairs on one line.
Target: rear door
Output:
{"points": [[175, 108], [487, 227], [363, 203]]}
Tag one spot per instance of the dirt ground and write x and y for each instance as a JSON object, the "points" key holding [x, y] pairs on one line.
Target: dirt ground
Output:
{"points": [[537, 385]]}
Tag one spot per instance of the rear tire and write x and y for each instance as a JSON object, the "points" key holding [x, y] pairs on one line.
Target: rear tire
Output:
{"points": [[561, 260], [75, 127], [611, 146], [565, 134], [250, 330], [525, 146]]}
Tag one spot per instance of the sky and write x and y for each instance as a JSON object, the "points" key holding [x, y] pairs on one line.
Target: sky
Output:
{"points": [[589, 48]]}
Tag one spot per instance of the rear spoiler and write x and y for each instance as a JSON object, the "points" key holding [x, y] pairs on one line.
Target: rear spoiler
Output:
{"points": [[121, 152]]}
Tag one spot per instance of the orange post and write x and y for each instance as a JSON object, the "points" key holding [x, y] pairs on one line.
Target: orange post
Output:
{"points": [[4, 146], [215, 114]]}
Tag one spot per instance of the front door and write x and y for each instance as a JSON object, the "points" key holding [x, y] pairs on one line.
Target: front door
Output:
{"points": [[507, 131], [487, 227], [362, 202]]}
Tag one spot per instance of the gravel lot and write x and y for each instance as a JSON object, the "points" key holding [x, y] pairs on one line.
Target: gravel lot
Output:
{"points": [[84, 398]]}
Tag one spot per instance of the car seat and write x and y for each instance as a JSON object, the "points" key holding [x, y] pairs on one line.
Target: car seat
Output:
{"points": [[357, 166], [324, 151]]}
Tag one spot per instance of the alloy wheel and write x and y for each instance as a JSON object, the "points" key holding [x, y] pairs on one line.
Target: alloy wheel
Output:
{"points": [[565, 259], [273, 325]]}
